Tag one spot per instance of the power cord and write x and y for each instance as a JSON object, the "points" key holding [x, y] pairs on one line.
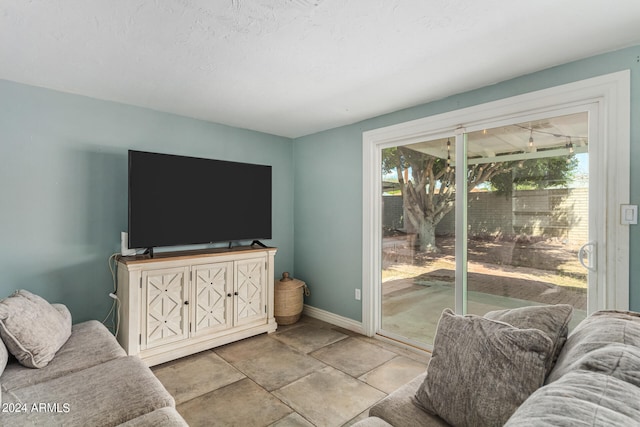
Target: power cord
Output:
{"points": [[114, 312]]}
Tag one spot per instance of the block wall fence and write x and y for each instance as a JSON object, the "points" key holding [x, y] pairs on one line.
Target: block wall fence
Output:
{"points": [[551, 213]]}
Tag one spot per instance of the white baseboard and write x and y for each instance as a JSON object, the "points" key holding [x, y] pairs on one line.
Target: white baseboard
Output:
{"points": [[334, 319]]}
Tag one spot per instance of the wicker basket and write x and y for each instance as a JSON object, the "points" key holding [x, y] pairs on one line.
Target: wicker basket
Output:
{"points": [[288, 299]]}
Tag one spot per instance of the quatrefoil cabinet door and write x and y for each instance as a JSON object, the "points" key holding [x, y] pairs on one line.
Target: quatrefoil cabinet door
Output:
{"points": [[165, 298], [212, 297], [250, 303]]}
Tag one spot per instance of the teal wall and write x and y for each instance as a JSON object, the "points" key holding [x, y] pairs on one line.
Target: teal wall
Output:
{"points": [[63, 187], [328, 176]]}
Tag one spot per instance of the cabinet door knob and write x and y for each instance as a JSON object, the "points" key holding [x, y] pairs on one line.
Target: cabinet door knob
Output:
{"points": [[235, 293], [186, 303], [229, 294]]}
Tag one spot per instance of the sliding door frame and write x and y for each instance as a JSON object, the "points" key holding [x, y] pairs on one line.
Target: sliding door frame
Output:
{"points": [[609, 98]]}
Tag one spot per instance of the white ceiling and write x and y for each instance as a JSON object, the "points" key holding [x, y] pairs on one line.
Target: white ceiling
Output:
{"points": [[296, 67]]}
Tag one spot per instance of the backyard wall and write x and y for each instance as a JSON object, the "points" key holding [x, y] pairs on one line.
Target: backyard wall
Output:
{"points": [[552, 213]]}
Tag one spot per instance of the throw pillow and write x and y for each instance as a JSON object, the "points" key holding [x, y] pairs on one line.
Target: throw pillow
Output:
{"points": [[553, 320], [64, 311], [4, 356], [481, 370], [32, 329]]}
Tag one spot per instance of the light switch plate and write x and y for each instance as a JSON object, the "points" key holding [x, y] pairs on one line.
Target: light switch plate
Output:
{"points": [[629, 214]]}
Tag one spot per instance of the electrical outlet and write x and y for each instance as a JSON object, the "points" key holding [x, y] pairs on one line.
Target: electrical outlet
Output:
{"points": [[358, 294]]}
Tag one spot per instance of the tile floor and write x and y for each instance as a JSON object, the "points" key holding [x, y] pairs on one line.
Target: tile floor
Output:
{"points": [[307, 374]]}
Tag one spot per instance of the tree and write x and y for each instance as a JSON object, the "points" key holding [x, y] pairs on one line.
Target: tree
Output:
{"points": [[427, 183]]}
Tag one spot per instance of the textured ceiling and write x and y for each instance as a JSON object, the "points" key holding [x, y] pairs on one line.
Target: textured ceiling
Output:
{"points": [[297, 67]]}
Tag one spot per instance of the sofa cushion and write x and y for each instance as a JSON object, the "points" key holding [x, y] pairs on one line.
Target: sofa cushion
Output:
{"points": [[111, 393], [581, 398], [553, 320], [32, 329], [399, 410], [596, 331], [481, 370], [90, 344], [616, 360]]}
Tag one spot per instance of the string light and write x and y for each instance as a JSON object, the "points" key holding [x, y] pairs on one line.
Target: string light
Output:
{"points": [[531, 139], [532, 148], [568, 139], [570, 147]]}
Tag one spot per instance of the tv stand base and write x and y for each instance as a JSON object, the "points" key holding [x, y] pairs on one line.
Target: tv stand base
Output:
{"points": [[149, 252], [259, 243]]}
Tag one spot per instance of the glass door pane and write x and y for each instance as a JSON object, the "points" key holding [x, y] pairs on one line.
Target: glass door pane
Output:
{"points": [[418, 239], [527, 215]]}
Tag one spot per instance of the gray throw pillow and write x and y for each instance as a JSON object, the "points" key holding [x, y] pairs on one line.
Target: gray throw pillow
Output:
{"points": [[32, 329], [4, 356], [64, 311], [553, 320], [481, 370]]}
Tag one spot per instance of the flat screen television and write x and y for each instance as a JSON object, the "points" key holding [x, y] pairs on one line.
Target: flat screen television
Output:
{"points": [[178, 200]]}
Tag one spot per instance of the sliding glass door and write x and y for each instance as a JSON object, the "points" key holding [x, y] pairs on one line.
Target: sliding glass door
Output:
{"points": [[418, 263], [528, 214], [502, 222]]}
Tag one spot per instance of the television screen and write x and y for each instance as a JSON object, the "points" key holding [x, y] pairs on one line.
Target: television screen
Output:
{"points": [[178, 200]]}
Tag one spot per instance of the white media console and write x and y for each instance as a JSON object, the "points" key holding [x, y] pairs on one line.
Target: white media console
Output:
{"points": [[180, 303]]}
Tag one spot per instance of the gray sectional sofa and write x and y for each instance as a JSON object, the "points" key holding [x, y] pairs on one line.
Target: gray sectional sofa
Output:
{"points": [[594, 379], [80, 376]]}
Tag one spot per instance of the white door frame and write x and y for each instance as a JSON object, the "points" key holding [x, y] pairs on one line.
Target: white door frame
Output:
{"points": [[611, 96]]}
